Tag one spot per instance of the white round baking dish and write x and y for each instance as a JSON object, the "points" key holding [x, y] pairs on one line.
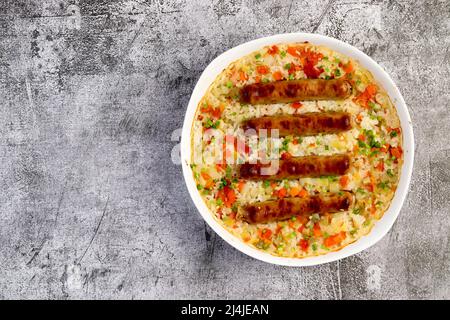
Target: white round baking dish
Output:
{"points": [[382, 226]]}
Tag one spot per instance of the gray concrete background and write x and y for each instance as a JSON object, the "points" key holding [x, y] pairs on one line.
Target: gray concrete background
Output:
{"points": [[91, 205]]}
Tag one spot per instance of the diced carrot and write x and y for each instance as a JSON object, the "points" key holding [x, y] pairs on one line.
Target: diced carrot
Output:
{"points": [[243, 76], [335, 239], [262, 69], [304, 244], [396, 152], [296, 105], [266, 234], [273, 50], [359, 117], [371, 90], [303, 193], [246, 239], [385, 148], [362, 137], [273, 184], [205, 175], [293, 52], [294, 191], [380, 166], [373, 209], [241, 185], [301, 228], [282, 193], [295, 141], [343, 181], [227, 195], [348, 67], [316, 230], [231, 197], [367, 95], [209, 184], [277, 75], [257, 79]]}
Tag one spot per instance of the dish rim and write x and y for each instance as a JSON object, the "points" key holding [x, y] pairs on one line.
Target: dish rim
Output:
{"points": [[382, 226]]}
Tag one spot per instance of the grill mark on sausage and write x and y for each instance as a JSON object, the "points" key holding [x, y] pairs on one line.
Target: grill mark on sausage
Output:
{"points": [[298, 167], [295, 90], [306, 124], [276, 210]]}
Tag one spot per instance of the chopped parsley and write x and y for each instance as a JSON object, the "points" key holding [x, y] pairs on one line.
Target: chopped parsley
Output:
{"points": [[258, 56], [285, 145], [337, 72], [287, 66], [211, 124], [383, 185], [223, 183]]}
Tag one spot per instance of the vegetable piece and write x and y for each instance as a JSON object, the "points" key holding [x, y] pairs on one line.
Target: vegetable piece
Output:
{"points": [[303, 193], [294, 191], [335, 239], [348, 67], [273, 50], [277, 75], [262, 70], [396, 152], [367, 95], [266, 234], [316, 230], [227, 195], [304, 244], [241, 185], [282, 193], [296, 105], [343, 181], [243, 76]]}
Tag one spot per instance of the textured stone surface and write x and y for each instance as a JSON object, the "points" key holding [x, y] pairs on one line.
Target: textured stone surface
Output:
{"points": [[91, 205]]}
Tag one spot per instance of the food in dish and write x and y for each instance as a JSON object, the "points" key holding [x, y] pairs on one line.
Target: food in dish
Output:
{"points": [[298, 167], [351, 140], [295, 90], [300, 208], [307, 124]]}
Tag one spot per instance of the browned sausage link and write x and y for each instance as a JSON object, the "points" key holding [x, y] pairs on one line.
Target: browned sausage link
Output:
{"points": [[295, 90], [307, 124], [276, 210], [298, 167]]}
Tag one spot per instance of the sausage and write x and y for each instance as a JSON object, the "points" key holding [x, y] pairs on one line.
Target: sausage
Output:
{"points": [[282, 209], [297, 167], [306, 124], [295, 90]]}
